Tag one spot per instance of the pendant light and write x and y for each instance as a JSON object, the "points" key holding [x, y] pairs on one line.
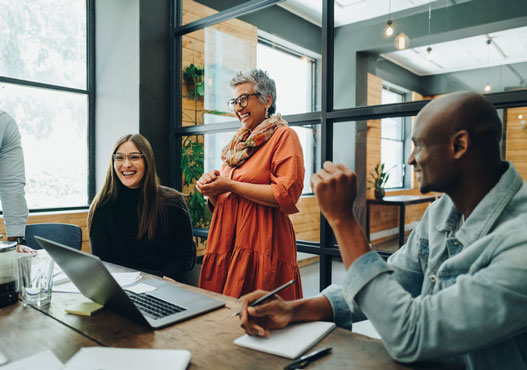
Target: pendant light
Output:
{"points": [[388, 29]]}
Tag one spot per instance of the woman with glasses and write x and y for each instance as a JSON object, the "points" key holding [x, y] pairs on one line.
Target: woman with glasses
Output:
{"points": [[251, 243], [134, 221]]}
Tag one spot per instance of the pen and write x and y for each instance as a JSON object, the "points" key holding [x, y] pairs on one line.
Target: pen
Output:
{"points": [[307, 359], [268, 295]]}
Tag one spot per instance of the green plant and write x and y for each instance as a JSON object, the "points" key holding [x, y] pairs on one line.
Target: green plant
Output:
{"points": [[192, 149], [379, 177]]}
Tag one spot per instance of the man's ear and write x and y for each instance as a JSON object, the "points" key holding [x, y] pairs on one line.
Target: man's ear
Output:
{"points": [[459, 144]]}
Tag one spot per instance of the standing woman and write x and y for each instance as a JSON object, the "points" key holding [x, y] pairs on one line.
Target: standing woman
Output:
{"points": [[251, 242], [134, 221]]}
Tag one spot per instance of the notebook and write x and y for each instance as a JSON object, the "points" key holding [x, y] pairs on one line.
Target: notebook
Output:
{"points": [[163, 305], [290, 342]]}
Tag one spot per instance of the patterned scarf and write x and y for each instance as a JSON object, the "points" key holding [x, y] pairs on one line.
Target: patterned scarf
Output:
{"points": [[245, 143]]}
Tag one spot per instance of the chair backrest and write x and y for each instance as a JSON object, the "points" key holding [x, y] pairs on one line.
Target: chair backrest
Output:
{"points": [[67, 234]]}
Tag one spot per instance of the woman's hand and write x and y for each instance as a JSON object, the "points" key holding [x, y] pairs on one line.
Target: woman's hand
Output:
{"points": [[275, 313], [212, 184]]}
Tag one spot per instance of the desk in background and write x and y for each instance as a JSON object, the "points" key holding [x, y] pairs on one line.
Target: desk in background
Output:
{"points": [[208, 337], [400, 201]]}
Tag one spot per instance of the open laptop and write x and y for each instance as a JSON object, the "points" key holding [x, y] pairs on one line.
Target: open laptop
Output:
{"points": [[165, 305]]}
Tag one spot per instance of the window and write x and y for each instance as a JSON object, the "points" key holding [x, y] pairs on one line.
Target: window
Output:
{"points": [[394, 140], [44, 87], [285, 66]]}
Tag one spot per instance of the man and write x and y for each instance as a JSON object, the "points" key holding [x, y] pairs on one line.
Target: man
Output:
{"points": [[12, 181], [459, 285]]}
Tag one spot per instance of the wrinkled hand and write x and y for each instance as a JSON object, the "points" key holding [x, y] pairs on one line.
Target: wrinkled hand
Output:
{"points": [[335, 187], [274, 313], [20, 248], [212, 184]]}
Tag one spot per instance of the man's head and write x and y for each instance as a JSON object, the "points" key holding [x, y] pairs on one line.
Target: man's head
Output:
{"points": [[454, 135]]}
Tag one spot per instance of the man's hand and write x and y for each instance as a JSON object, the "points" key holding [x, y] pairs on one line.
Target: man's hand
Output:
{"points": [[274, 313], [335, 187]]}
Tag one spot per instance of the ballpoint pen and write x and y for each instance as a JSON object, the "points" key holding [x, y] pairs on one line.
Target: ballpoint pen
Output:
{"points": [[268, 295], [307, 359]]}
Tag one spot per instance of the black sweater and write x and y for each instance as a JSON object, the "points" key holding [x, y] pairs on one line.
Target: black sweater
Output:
{"points": [[113, 237]]}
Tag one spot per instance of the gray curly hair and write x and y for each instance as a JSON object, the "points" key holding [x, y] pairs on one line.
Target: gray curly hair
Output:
{"points": [[263, 85]]}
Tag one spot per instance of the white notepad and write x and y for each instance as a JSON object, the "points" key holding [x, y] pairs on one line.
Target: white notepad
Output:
{"points": [[289, 342]]}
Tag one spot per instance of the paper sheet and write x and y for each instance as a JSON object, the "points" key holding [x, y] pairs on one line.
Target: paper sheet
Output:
{"points": [[128, 359], [42, 361], [122, 278], [141, 288], [290, 342]]}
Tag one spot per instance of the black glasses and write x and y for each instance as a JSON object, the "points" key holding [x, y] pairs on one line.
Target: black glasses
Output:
{"points": [[241, 100], [132, 157]]}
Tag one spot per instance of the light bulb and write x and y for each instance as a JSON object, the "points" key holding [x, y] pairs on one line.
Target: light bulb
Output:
{"points": [[388, 29], [429, 53], [520, 116], [487, 87], [402, 41]]}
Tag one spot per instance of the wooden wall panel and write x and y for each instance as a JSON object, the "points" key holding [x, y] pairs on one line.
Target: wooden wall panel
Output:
{"points": [[516, 143]]}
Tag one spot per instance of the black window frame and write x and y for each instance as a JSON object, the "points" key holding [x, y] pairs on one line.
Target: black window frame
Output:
{"points": [[326, 249]]}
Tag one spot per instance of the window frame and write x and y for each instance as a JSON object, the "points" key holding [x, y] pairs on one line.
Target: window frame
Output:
{"points": [[326, 249]]}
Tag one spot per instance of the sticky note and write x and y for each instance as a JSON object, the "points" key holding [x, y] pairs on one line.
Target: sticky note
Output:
{"points": [[85, 309]]}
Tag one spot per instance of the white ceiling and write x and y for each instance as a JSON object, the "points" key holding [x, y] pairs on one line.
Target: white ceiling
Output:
{"points": [[507, 47], [349, 11], [446, 57]]}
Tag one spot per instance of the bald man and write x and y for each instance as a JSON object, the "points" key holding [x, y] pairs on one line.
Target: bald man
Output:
{"points": [[458, 288]]}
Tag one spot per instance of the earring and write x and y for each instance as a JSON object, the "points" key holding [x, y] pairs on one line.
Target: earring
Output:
{"points": [[267, 115]]}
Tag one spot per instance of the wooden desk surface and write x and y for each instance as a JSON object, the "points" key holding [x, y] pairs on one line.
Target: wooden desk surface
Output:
{"points": [[24, 331], [208, 337]]}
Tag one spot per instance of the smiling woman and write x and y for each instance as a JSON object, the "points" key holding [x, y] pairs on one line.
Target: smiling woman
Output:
{"points": [[136, 222]]}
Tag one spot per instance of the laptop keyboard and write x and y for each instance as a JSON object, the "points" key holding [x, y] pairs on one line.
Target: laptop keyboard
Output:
{"points": [[153, 307]]}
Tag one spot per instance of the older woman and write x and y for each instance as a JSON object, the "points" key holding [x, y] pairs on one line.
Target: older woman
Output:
{"points": [[134, 221], [251, 242]]}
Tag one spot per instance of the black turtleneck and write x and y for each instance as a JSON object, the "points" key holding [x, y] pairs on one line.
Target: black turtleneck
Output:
{"points": [[113, 236]]}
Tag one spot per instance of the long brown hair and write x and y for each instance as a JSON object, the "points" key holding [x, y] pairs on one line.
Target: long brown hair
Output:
{"points": [[151, 204]]}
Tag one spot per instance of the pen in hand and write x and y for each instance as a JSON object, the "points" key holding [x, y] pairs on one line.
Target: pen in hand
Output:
{"points": [[267, 296]]}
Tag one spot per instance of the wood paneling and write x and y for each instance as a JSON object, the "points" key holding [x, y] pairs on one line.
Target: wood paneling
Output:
{"points": [[516, 143], [307, 222]]}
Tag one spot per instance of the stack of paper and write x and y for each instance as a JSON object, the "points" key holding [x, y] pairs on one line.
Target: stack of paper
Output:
{"points": [[122, 278], [289, 342]]}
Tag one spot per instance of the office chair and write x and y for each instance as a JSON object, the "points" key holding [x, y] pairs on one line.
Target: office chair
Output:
{"points": [[67, 234]]}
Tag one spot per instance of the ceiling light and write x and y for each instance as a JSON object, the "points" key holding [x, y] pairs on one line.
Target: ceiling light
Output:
{"points": [[388, 29], [520, 116], [402, 41], [429, 48], [487, 87]]}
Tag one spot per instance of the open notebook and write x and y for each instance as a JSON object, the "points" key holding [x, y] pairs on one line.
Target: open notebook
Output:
{"points": [[290, 342]]}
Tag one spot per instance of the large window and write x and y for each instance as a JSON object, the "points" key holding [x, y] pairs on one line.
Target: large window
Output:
{"points": [[44, 87], [353, 120], [394, 141]]}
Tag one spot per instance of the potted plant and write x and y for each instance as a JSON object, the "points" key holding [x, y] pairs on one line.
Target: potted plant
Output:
{"points": [[379, 179]]}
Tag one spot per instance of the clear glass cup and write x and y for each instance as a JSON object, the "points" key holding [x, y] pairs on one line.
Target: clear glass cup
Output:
{"points": [[36, 279]]}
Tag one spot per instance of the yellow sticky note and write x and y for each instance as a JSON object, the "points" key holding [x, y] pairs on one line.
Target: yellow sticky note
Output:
{"points": [[85, 308]]}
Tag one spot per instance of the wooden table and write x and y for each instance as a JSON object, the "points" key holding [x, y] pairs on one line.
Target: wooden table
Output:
{"points": [[208, 337], [400, 201]]}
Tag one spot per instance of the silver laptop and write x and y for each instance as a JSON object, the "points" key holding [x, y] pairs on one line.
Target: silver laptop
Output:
{"points": [[165, 305]]}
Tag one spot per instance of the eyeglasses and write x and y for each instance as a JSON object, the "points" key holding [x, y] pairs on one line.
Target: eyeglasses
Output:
{"points": [[132, 157], [241, 100]]}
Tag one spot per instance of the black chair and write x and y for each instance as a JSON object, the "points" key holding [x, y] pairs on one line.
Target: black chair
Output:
{"points": [[67, 234]]}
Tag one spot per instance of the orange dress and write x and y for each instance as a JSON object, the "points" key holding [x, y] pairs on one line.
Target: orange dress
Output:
{"points": [[252, 246]]}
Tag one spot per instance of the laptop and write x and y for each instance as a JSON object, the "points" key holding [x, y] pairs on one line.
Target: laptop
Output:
{"points": [[165, 305]]}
